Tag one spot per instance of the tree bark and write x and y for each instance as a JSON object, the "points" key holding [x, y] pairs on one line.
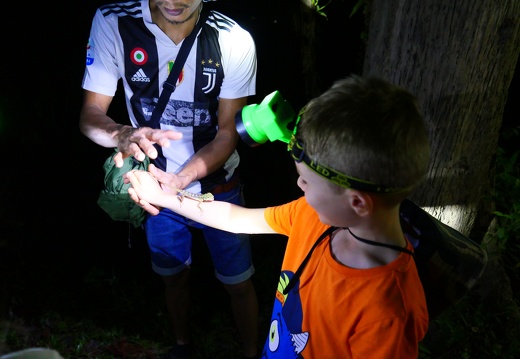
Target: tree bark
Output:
{"points": [[305, 23], [458, 58]]}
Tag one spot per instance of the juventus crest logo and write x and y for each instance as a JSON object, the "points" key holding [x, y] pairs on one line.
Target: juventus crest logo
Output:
{"points": [[209, 71]]}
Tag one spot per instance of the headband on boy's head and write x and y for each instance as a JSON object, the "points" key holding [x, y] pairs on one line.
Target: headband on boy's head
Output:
{"points": [[296, 147]]}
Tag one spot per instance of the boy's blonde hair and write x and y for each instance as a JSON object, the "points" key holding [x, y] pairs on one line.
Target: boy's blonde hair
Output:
{"points": [[368, 129]]}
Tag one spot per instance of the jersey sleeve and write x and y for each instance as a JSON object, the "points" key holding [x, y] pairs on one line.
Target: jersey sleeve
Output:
{"points": [[239, 63], [101, 72]]}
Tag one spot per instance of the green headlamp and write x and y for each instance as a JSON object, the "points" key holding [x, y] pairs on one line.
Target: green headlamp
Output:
{"points": [[274, 119]]}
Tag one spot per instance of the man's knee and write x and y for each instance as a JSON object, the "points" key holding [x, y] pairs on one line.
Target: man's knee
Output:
{"points": [[177, 281], [240, 289]]}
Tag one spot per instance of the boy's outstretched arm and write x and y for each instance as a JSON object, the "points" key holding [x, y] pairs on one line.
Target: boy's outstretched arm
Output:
{"points": [[147, 192]]}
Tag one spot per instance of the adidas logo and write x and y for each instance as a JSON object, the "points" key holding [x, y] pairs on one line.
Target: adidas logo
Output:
{"points": [[140, 76]]}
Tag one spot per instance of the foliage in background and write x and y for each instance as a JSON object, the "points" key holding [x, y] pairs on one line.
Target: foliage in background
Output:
{"points": [[478, 327], [507, 200], [117, 314], [315, 4], [319, 8], [114, 313]]}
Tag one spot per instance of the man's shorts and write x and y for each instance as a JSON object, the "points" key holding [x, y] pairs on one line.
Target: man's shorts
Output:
{"points": [[169, 239]]}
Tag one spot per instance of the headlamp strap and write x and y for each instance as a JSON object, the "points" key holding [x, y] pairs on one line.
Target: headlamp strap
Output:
{"points": [[296, 147]]}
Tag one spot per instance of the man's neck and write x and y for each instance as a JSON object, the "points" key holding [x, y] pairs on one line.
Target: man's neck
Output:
{"points": [[176, 31]]}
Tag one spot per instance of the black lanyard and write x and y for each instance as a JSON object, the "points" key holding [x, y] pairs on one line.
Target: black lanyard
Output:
{"points": [[170, 84], [373, 243], [325, 234]]}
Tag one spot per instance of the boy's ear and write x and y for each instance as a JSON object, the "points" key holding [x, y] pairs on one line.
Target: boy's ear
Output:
{"points": [[361, 202]]}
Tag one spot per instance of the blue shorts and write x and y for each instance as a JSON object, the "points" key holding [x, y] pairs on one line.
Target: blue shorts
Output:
{"points": [[169, 239]]}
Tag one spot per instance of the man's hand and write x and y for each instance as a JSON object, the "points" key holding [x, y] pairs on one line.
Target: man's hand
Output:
{"points": [[103, 130], [169, 182], [139, 142]]}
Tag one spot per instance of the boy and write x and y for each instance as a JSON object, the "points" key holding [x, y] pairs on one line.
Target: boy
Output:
{"points": [[349, 287]]}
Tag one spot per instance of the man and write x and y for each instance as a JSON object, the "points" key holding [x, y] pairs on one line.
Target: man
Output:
{"points": [[196, 139]]}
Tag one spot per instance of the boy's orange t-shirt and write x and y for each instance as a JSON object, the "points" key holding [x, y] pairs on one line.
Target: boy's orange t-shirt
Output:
{"points": [[336, 311]]}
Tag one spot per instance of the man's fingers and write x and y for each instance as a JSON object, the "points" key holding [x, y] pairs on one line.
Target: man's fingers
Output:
{"points": [[140, 142], [118, 160], [163, 138], [173, 135]]}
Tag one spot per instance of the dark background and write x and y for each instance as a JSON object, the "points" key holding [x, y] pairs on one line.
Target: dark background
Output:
{"points": [[53, 173], [59, 252], [54, 239]]}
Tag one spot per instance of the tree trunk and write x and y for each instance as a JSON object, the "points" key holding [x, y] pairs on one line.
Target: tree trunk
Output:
{"points": [[458, 58], [305, 23]]}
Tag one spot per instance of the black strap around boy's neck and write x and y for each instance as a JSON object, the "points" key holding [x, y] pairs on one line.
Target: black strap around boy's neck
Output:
{"points": [[169, 84], [325, 234], [374, 243]]}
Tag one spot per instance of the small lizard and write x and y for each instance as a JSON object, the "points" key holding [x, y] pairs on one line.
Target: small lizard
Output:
{"points": [[203, 197]]}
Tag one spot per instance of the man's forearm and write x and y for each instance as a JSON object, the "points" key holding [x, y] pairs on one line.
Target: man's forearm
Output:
{"points": [[207, 160]]}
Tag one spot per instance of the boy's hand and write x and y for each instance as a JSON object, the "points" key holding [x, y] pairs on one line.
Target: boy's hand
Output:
{"points": [[145, 190]]}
